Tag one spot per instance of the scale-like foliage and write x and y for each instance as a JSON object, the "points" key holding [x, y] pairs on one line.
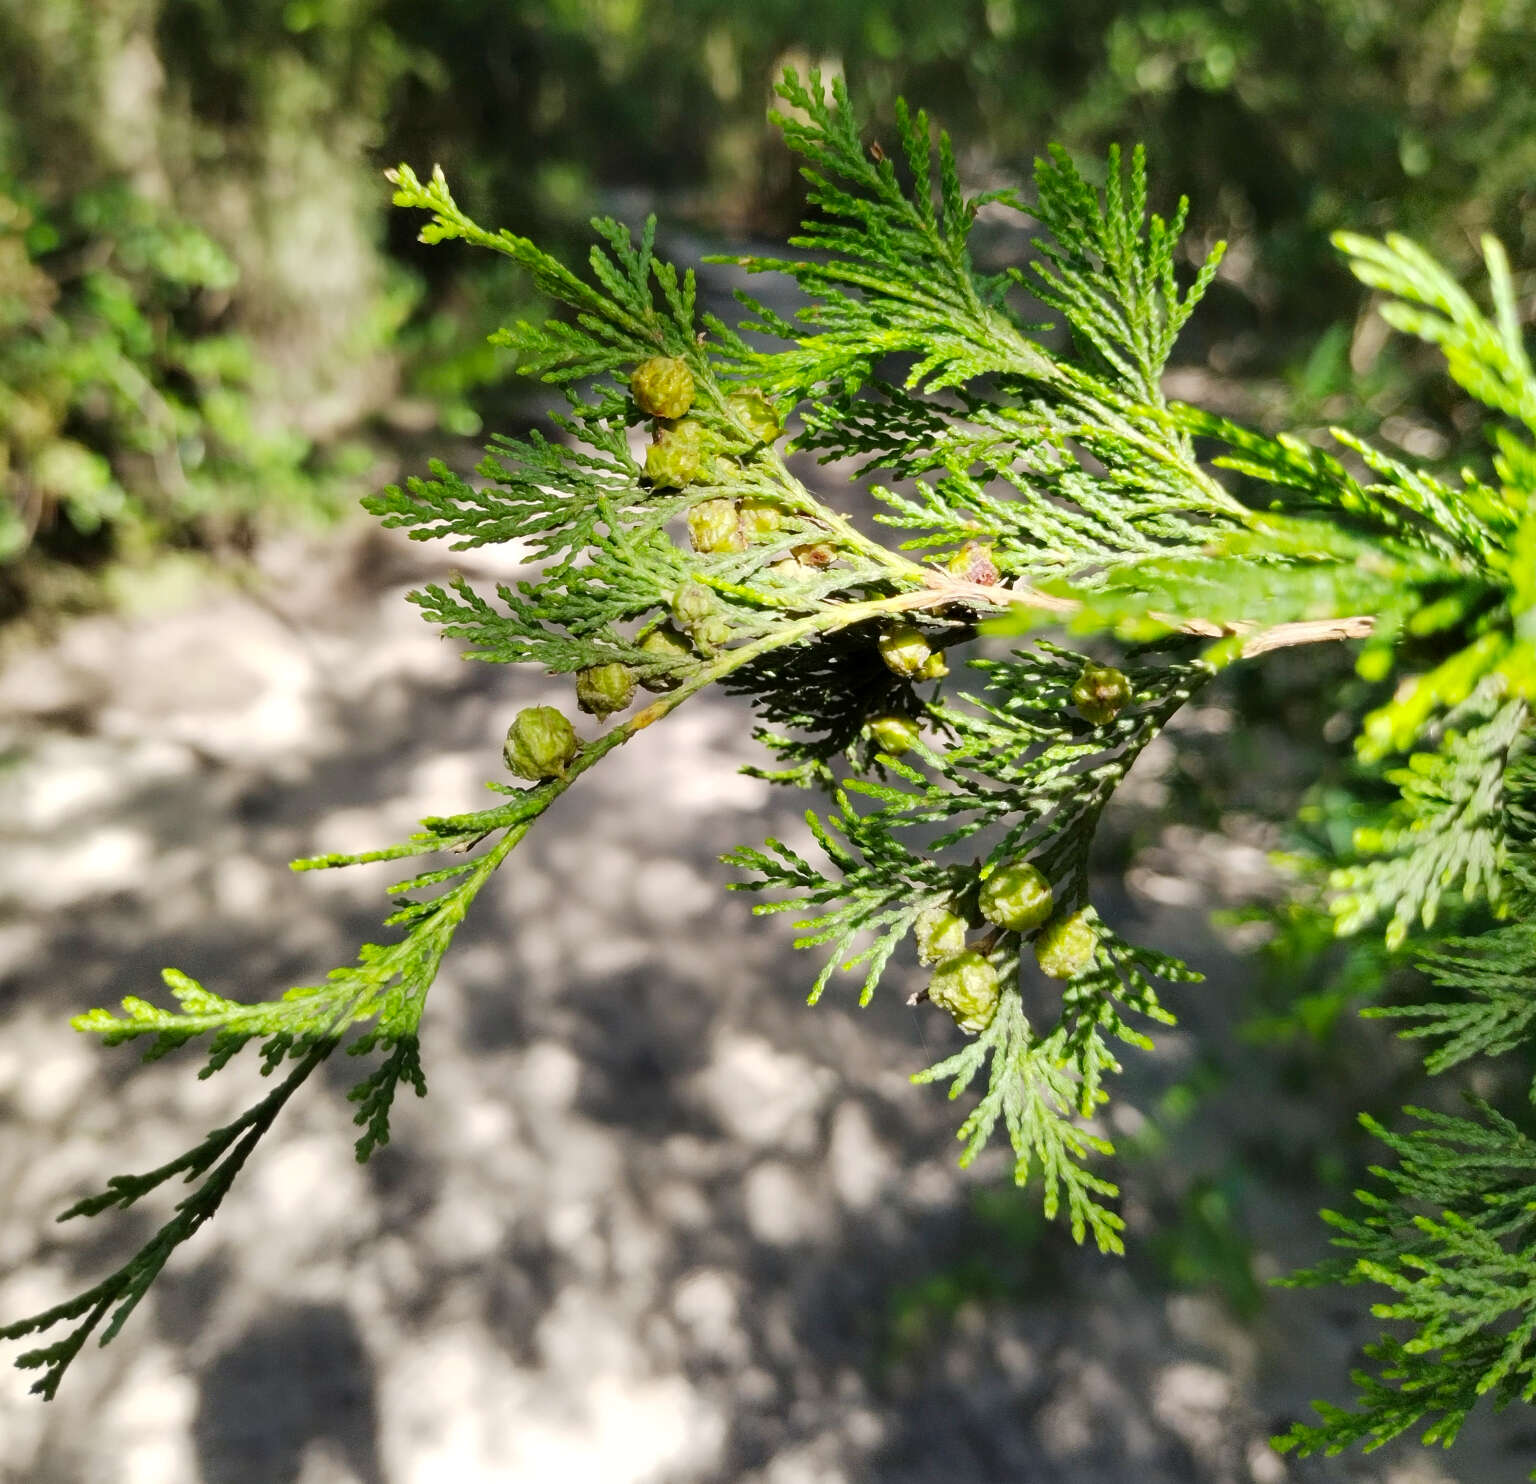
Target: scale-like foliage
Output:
{"points": [[1450, 1229], [1491, 1009], [893, 273], [1443, 833], [1452, 1235], [1026, 485], [1037, 1092]]}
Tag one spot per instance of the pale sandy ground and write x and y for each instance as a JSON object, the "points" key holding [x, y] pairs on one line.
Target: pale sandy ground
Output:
{"points": [[657, 1221]]}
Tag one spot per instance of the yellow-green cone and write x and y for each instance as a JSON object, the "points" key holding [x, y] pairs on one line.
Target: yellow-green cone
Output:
{"points": [[665, 643], [908, 654], [540, 743], [1066, 947], [966, 985], [715, 526], [676, 457], [760, 519], [662, 386], [755, 411], [1099, 693], [939, 934], [1016, 897], [894, 734], [603, 689]]}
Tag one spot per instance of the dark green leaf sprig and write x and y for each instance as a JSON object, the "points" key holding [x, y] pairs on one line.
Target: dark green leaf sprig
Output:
{"points": [[1450, 1232], [1067, 461], [1023, 764], [1449, 1229]]}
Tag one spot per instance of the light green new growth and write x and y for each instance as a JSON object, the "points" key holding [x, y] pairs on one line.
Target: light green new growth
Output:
{"points": [[1084, 488]]}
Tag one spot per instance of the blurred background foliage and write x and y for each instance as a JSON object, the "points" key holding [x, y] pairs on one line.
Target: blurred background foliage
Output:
{"points": [[210, 323]]}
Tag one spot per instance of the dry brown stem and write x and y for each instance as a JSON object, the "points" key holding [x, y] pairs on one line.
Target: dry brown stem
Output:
{"points": [[945, 589]]}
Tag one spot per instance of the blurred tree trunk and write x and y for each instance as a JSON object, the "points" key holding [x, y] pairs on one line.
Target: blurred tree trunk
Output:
{"points": [[239, 121]]}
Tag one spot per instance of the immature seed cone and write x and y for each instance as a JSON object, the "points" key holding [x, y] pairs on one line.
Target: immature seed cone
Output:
{"points": [[939, 934], [715, 525], [789, 569], [755, 410], [908, 654], [603, 689], [692, 603], [1099, 693], [676, 457], [665, 643], [540, 743], [711, 634], [966, 985], [1065, 947], [760, 519], [662, 386], [894, 734], [1016, 897]]}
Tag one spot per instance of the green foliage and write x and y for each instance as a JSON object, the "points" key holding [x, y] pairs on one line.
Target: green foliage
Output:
{"points": [[1447, 1230], [1490, 1010], [128, 413], [193, 308], [1094, 505], [1443, 573], [1038, 1088], [215, 1162], [1444, 831], [1450, 1237], [1282, 121]]}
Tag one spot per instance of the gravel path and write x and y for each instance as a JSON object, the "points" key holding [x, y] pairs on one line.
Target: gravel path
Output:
{"points": [[657, 1222]]}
